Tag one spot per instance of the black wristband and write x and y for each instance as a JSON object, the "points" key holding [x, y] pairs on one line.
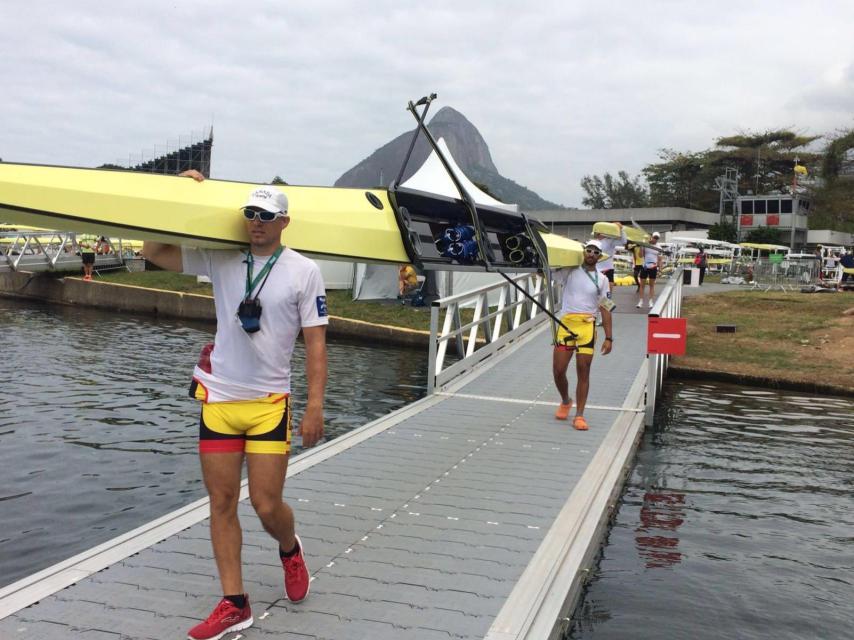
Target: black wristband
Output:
{"points": [[607, 338]]}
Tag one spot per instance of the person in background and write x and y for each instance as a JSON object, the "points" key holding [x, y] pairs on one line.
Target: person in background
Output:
{"points": [[701, 261], [585, 293], [637, 262], [609, 247], [846, 262], [102, 246], [651, 263], [243, 381], [407, 280], [830, 263], [87, 255]]}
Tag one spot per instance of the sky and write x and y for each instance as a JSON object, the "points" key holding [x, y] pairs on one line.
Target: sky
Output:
{"points": [[306, 89]]}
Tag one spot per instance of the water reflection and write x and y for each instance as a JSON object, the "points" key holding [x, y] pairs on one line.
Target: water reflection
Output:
{"points": [[98, 436], [661, 515], [735, 523]]}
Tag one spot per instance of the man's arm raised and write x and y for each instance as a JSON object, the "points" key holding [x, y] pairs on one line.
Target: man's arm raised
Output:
{"points": [[165, 256], [168, 256]]}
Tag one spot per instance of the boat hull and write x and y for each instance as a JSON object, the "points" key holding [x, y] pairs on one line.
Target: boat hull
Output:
{"points": [[358, 225]]}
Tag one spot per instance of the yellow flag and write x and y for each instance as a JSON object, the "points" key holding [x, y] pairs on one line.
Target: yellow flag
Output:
{"points": [[799, 168]]}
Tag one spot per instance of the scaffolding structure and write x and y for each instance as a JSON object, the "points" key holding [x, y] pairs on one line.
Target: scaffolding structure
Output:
{"points": [[727, 184], [192, 152]]}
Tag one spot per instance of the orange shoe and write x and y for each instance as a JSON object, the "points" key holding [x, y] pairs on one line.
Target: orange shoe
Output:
{"points": [[562, 412], [579, 423]]}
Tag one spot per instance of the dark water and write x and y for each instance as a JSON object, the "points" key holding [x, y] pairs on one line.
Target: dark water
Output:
{"points": [[737, 522], [98, 436]]}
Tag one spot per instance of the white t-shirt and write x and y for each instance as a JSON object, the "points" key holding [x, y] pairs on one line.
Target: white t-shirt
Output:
{"points": [[650, 258], [609, 246], [583, 291], [245, 366]]}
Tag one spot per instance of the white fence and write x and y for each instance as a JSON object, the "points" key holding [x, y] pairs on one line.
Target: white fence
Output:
{"points": [[489, 330]]}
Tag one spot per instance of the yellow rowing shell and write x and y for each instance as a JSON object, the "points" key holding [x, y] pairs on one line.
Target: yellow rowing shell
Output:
{"points": [[613, 231], [331, 223]]}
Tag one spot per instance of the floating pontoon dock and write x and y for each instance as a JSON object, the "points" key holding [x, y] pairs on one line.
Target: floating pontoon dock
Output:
{"points": [[471, 513]]}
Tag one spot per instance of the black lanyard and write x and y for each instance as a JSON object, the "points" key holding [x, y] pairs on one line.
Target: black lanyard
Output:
{"points": [[264, 273]]}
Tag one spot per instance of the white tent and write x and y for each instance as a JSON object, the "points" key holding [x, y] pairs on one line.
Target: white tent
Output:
{"points": [[336, 275], [433, 178], [375, 282], [371, 282]]}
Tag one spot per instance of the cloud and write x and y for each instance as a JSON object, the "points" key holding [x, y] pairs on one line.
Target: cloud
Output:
{"points": [[830, 100], [308, 89]]}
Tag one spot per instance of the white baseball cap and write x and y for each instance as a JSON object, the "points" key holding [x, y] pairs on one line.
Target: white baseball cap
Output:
{"points": [[594, 243], [656, 234], [269, 199]]}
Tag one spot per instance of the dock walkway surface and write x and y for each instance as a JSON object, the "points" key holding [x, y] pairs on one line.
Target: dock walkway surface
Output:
{"points": [[459, 516]]}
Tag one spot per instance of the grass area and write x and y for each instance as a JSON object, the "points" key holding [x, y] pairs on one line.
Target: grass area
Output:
{"points": [[340, 302], [794, 336], [167, 280]]}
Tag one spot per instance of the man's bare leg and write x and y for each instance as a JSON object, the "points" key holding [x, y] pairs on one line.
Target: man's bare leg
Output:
{"points": [[582, 387], [221, 473], [560, 363], [267, 473]]}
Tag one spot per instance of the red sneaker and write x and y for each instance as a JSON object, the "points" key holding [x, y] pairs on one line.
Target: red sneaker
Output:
{"points": [[226, 617], [297, 578]]}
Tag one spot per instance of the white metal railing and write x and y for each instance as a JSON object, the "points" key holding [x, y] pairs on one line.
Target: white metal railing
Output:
{"points": [[668, 304], [491, 328], [46, 248], [51, 251]]}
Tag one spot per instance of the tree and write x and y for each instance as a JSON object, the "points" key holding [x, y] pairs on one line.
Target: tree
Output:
{"points": [[681, 180], [725, 231], [278, 180], [763, 235], [609, 193], [833, 197], [765, 161], [485, 188]]}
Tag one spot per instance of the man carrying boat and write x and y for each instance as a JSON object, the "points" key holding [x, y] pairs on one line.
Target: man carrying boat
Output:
{"points": [[609, 247], [585, 293], [243, 382], [651, 265], [637, 263]]}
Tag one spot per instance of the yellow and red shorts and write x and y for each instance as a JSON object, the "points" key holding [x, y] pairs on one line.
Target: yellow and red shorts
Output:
{"points": [[583, 325], [262, 425]]}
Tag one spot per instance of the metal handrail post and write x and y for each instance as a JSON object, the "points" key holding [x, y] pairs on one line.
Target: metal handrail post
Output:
{"points": [[651, 384], [432, 353]]}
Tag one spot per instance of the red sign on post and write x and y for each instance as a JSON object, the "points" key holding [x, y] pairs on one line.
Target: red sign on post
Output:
{"points": [[746, 220], [773, 219], [667, 336]]}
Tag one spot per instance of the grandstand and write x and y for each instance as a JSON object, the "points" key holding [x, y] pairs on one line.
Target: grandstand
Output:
{"points": [[195, 155]]}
